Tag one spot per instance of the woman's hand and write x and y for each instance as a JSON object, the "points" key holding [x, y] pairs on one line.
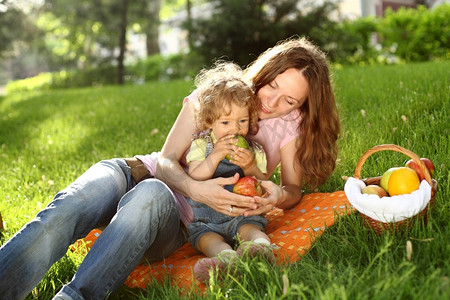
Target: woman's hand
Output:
{"points": [[212, 193], [275, 196], [272, 194]]}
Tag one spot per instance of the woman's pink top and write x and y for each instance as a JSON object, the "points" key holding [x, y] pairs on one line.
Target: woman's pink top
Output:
{"points": [[273, 134]]}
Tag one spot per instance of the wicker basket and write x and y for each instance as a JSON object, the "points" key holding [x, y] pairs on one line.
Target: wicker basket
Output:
{"points": [[379, 226]]}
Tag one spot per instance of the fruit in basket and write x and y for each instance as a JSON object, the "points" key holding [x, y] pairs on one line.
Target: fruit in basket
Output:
{"points": [[385, 178], [429, 164], [375, 190], [413, 165], [403, 180]]}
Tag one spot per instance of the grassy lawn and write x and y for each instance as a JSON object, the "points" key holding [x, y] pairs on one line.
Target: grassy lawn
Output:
{"points": [[49, 138]]}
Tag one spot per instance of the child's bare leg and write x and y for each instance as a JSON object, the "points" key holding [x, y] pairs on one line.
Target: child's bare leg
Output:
{"points": [[252, 232], [211, 244], [219, 253], [254, 243]]}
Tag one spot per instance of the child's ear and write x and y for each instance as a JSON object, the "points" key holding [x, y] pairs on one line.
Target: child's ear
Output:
{"points": [[206, 127]]}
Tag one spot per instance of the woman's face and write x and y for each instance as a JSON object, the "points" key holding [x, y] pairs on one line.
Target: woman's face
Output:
{"points": [[285, 93]]}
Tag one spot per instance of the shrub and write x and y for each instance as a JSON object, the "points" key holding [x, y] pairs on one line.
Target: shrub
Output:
{"points": [[348, 42], [104, 75], [41, 81], [159, 67], [416, 34]]}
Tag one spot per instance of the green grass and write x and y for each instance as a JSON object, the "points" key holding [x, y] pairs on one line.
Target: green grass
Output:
{"points": [[49, 138]]}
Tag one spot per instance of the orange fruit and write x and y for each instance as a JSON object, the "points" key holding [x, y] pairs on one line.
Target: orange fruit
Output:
{"points": [[385, 178], [403, 181]]}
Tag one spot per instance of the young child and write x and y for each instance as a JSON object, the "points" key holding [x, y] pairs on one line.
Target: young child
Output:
{"points": [[227, 107]]}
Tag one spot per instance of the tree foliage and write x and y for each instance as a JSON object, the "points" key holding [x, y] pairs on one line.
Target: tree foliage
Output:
{"points": [[98, 28], [91, 35], [240, 30], [15, 26]]}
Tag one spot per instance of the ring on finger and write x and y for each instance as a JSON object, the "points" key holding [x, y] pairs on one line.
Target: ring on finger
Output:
{"points": [[231, 209]]}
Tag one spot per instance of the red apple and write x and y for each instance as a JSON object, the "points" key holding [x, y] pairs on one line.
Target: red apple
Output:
{"points": [[429, 165], [247, 186], [413, 165], [375, 190]]}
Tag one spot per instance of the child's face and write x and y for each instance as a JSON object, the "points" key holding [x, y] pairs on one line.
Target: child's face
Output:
{"points": [[236, 122]]}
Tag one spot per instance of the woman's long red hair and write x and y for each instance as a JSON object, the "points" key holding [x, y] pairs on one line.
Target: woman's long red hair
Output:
{"points": [[319, 120]]}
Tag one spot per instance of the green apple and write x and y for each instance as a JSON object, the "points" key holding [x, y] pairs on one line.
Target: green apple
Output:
{"points": [[385, 178], [375, 190], [242, 143]]}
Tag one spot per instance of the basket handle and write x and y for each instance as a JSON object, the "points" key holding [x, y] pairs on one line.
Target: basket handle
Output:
{"points": [[396, 148]]}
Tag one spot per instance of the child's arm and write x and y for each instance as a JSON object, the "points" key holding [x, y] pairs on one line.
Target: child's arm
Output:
{"points": [[256, 172], [202, 170], [245, 159]]}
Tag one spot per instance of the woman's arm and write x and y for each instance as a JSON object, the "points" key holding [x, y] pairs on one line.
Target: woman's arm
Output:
{"points": [[289, 193], [209, 192], [203, 170], [291, 181]]}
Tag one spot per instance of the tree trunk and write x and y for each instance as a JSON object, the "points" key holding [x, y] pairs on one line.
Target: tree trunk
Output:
{"points": [[189, 23], [152, 28], [122, 42]]}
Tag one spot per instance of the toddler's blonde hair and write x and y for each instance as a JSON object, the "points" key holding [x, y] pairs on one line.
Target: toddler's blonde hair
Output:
{"points": [[218, 88]]}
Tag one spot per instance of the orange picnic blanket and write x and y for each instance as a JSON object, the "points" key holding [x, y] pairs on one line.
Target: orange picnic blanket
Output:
{"points": [[293, 231]]}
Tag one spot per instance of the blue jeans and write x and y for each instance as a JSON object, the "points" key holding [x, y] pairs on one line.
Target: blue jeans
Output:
{"points": [[143, 222], [207, 219]]}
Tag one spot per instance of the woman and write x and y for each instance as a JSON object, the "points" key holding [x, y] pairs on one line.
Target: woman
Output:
{"points": [[145, 219], [293, 84]]}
